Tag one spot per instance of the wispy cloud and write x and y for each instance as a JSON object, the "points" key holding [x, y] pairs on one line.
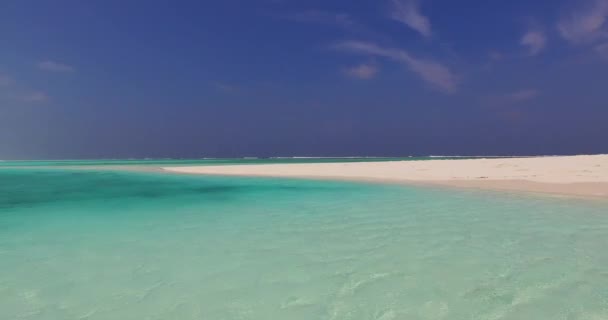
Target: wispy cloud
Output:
{"points": [[507, 100], [5, 80], [602, 50], [54, 66], [535, 41], [17, 92], [496, 55], [37, 96], [316, 16], [225, 87], [586, 24], [341, 20], [408, 12], [523, 95], [362, 71], [432, 72]]}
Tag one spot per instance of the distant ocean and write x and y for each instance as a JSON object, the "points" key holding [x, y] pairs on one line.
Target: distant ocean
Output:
{"points": [[121, 245], [205, 161]]}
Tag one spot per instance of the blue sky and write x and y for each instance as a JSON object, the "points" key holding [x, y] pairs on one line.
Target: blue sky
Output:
{"points": [[117, 79]]}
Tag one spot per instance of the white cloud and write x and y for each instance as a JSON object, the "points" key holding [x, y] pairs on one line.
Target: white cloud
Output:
{"points": [[535, 41], [408, 13], [362, 71], [37, 96], [432, 72], [523, 95], [17, 92], [54, 66], [586, 25]]}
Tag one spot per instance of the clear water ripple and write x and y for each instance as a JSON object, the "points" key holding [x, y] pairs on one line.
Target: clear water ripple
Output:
{"points": [[118, 245]]}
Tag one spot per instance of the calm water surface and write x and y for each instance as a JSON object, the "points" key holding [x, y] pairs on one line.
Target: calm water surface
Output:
{"points": [[77, 244]]}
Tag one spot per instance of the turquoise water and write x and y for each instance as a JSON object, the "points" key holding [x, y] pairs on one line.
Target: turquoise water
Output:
{"points": [[118, 245]]}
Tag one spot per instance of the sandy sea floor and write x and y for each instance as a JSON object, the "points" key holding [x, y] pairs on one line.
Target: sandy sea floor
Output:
{"points": [[91, 244]]}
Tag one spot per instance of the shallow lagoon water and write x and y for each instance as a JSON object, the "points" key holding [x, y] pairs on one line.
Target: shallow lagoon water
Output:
{"points": [[78, 244]]}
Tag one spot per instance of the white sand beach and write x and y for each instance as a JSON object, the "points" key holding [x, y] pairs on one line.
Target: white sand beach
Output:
{"points": [[585, 175]]}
